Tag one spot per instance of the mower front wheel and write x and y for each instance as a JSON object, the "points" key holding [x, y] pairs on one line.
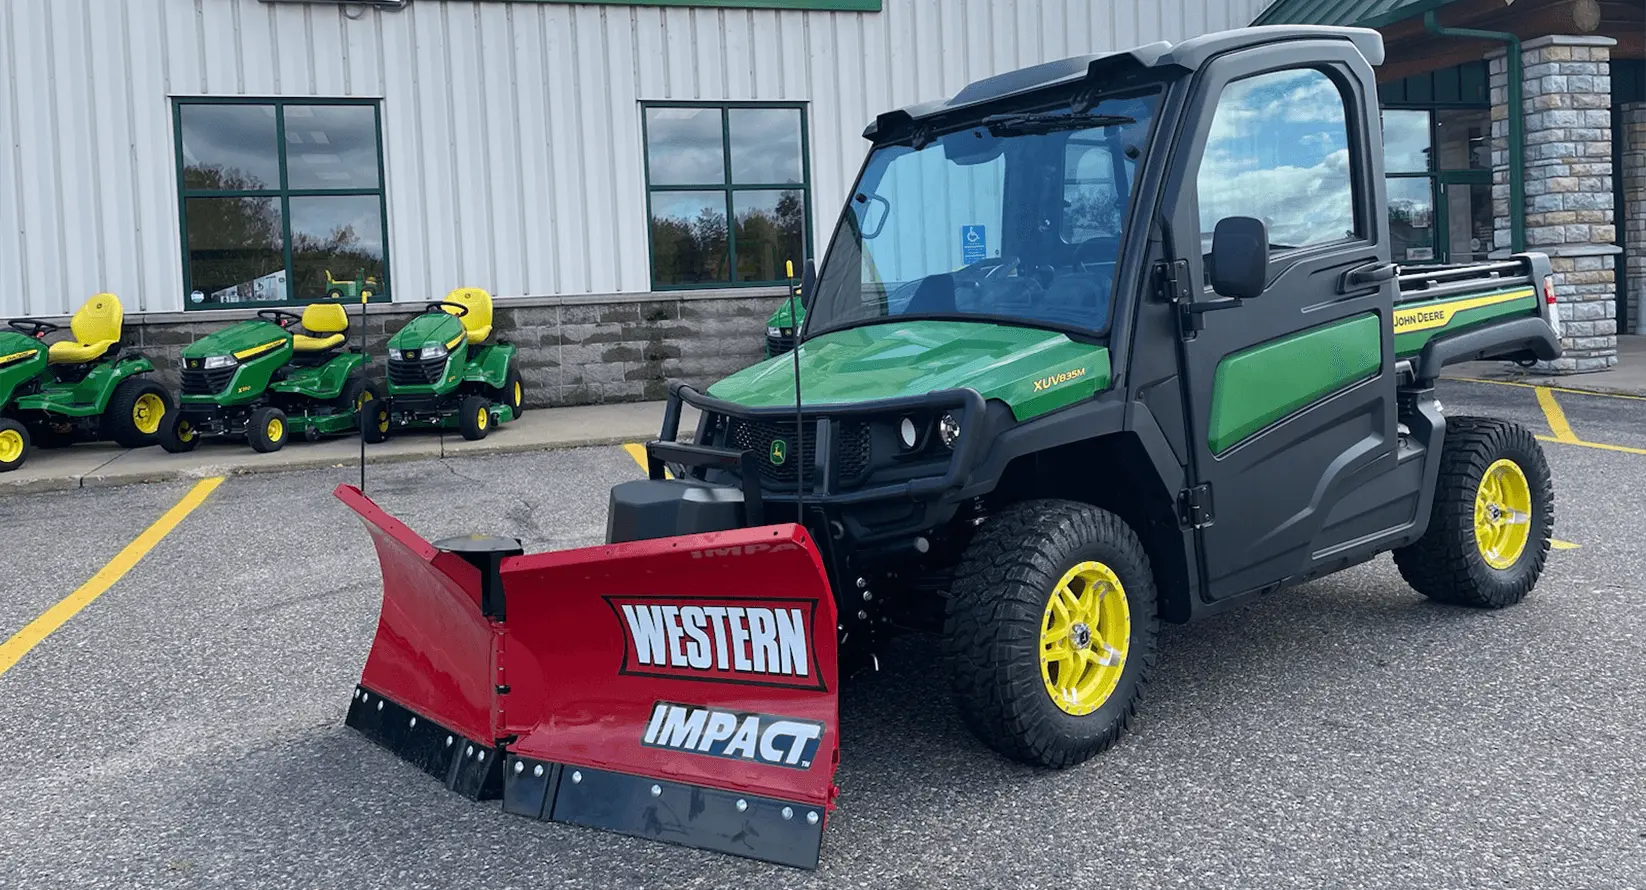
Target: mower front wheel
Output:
{"points": [[266, 430], [1050, 632], [178, 435], [475, 417], [14, 444]]}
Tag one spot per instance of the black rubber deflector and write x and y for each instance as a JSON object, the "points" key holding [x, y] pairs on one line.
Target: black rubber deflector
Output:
{"points": [[467, 766]]}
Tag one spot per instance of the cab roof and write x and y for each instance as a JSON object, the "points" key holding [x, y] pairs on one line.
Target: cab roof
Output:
{"points": [[1184, 57]]}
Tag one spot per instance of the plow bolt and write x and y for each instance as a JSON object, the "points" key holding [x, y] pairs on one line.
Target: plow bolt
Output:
{"points": [[379, 704], [538, 772], [657, 791], [448, 741], [469, 752], [788, 813], [519, 767], [862, 583], [577, 777], [481, 757], [862, 616], [811, 818], [742, 805], [412, 723], [867, 596], [365, 696]]}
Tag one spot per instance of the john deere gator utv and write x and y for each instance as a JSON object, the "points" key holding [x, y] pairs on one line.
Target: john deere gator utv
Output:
{"points": [[446, 371], [261, 381], [1097, 344], [89, 387]]}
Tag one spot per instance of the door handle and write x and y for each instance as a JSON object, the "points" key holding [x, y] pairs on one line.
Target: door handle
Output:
{"points": [[1371, 273]]}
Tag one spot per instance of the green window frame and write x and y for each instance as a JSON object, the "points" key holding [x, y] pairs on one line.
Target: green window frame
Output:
{"points": [[282, 194], [728, 189], [1433, 179]]}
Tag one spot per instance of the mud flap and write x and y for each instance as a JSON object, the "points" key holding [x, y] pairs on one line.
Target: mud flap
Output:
{"points": [[680, 689]]}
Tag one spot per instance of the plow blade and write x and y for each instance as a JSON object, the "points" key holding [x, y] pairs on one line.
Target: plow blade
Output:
{"points": [[680, 689]]}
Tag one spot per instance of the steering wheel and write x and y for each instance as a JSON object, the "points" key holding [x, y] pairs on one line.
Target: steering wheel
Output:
{"points": [[282, 317], [443, 305], [33, 327]]}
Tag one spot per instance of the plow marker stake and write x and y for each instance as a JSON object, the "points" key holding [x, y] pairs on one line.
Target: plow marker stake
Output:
{"points": [[680, 689]]}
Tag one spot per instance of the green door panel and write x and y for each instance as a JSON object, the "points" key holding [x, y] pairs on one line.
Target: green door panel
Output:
{"points": [[1415, 324], [1032, 370], [1258, 386]]}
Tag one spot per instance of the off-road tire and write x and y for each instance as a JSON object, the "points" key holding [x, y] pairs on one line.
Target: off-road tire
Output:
{"points": [[257, 430], [512, 385], [469, 417], [15, 431], [118, 423], [1445, 564], [991, 630], [177, 435]]}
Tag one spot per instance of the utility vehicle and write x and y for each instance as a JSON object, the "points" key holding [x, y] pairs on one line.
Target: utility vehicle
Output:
{"points": [[265, 382], [446, 370], [87, 388], [1097, 344]]}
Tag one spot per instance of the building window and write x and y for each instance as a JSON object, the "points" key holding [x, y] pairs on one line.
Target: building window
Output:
{"points": [[281, 199], [1279, 151], [728, 193], [1438, 163]]}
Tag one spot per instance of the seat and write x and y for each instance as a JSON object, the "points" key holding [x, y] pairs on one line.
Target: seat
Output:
{"points": [[328, 322], [478, 322], [96, 328]]}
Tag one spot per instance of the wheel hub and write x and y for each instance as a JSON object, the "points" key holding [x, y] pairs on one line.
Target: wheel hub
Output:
{"points": [[1084, 634], [1080, 636]]}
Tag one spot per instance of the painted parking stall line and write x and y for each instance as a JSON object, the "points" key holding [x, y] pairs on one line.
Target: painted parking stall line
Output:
{"points": [[50, 620]]}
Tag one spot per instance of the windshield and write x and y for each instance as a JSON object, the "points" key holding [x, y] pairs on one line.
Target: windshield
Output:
{"points": [[1019, 218]]}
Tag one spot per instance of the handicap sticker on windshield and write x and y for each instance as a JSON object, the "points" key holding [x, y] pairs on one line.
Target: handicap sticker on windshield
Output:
{"points": [[974, 244]]}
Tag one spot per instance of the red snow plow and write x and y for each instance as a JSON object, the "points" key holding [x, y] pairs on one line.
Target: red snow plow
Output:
{"points": [[664, 688]]}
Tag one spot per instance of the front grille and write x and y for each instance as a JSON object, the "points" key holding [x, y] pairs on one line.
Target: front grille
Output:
{"points": [[422, 372], [779, 345], [851, 457], [201, 382]]}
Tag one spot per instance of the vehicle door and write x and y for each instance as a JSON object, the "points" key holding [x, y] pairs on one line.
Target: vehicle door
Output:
{"points": [[1290, 394]]}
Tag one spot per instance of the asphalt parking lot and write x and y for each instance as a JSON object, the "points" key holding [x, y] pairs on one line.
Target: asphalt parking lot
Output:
{"points": [[185, 729]]}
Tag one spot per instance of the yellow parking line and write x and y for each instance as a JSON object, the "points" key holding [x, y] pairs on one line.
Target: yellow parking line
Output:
{"points": [[1558, 544], [1564, 389], [638, 452], [1553, 413], [53, 618], [1601, 445]]}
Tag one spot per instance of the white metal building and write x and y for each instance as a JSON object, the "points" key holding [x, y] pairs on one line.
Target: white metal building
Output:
{"points": [[210, 154]]}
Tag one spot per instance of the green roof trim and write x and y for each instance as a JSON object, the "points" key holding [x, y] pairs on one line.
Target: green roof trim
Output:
{"points": [[1350, 13]]}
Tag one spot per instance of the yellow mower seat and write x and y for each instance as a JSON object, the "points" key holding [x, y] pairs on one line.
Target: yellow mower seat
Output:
{"points": [[478, 322], [328, 322], [96, 327]]}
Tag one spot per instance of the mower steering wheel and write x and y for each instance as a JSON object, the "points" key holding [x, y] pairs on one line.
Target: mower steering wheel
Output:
{"points": [[33, 327], [442, 305], [282, 317]]}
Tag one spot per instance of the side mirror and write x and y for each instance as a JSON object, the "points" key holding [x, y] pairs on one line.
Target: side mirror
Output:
{"points": [[1240, 257], [808, 284]]}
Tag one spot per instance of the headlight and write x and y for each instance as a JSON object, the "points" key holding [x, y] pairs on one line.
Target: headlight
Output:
{"points": [[438, 350], [220, 361], [948, 429], [907, 432], [774, 332]]}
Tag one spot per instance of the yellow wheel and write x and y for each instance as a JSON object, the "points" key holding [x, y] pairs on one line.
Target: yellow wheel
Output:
{"points": [[266, 430], [1492, 520], [135, 412], [1084, 635], [1050, 631], [14, 444], [147, 412], [474, 417], [178, 435]]}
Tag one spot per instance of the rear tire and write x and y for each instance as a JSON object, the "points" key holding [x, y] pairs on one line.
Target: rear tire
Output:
{"points": [[14, 445], [136, 412], [1001, 635], [178, 435], [1472, 553], [474, 417], [513, 393], [266, 431], [373, 412]]}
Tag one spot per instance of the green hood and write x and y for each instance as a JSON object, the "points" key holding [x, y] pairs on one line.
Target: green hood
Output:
{"points": [[428, 329], [783, 318], [1033, 371], [247, 340]]}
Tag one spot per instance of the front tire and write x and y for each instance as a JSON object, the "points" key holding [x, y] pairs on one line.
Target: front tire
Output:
{"points": [[136, 412], [1492, 520], [1051, 631], [178, 435], [266, 431], [14, 444], [475, 417]]}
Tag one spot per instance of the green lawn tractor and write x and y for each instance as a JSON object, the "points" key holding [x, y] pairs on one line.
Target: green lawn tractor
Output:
{"points": [[84, 389], [444, 375], [262, 381], [781, 326]]}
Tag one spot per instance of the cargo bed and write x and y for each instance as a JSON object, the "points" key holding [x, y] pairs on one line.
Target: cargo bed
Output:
{"points": [[1443, 304]]}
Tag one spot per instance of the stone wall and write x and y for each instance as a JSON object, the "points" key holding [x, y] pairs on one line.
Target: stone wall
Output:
{"points": [[573, 350], [1566, 93], [1632, 167]]}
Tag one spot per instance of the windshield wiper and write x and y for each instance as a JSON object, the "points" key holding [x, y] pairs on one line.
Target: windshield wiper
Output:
{"points": [[1050, 123]]}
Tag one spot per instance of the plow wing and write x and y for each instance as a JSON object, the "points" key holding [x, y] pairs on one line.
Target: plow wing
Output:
{"points": [[681, 689]]}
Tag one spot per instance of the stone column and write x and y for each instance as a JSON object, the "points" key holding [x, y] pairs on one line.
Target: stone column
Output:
{"points": [[1632, 215], [1566, 103]]}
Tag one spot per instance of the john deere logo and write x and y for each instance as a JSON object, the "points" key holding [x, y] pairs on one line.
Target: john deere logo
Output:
{"points": [[780, 452]]}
